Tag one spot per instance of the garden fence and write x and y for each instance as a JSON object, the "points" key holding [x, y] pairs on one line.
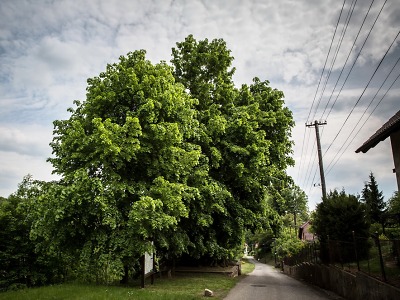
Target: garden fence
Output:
{"points": [[376, 257]]}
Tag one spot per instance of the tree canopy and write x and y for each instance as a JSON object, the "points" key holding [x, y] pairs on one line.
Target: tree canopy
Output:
{"points": [[374, 201], [175, 155], [336, 218]]}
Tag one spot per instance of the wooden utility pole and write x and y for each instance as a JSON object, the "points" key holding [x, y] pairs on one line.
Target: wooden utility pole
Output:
{"points": [[321, 166]]}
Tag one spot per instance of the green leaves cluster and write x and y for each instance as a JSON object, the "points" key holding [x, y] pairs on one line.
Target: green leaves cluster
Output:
{"points": [[175, 155], [336, 218], [373, 199], [21, 263]]}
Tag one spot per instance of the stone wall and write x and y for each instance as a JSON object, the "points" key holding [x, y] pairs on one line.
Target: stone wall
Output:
{"points": [[357, 286]]}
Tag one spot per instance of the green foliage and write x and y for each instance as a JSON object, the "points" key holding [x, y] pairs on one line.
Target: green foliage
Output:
{"points": [[175, 155], [244, 134], [21, 264], [180, 287], [337, 217], [288, 244], [127, 168], [264, 241], [373, 199], [394, 204], [393, 233], [294, 204]]}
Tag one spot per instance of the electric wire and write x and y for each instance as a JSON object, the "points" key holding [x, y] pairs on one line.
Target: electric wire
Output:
{"points": [[316, 92], [326, 60], [315, 174], [343, 33], [310, 166], [355, 60], [329, 168], [348, 56], [359, 98], [395, 80], [337, 49]]}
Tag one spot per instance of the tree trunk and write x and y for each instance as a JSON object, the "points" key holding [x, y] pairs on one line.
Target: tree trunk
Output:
{"points": [[125, 278]]}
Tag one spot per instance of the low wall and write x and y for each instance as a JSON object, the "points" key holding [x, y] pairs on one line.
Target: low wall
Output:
{"points": [[357, 286]]}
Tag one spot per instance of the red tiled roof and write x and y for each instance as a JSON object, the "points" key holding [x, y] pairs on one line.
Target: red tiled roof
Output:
{"points": [[382, 133]]}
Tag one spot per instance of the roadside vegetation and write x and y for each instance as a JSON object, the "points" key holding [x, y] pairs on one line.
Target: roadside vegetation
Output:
{"points": [[171, 158], [180, 286]]}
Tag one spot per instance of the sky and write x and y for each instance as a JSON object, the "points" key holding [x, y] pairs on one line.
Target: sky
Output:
{"points": [[48, 49]]}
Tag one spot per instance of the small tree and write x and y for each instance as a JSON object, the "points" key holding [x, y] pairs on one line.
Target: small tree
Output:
{"points": [[394, 204], [295, 204], [374, 201], [21, 263], [392, 217], [336, 218]]}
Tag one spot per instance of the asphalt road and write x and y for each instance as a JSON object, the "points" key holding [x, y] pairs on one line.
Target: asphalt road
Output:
{"points": [[266, 282]]}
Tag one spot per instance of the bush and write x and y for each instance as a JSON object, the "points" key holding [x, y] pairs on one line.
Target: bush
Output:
{"points": [[336, 218], [288, 244]]}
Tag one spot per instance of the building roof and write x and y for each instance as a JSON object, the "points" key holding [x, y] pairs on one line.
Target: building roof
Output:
{"points": [[382, 133]]}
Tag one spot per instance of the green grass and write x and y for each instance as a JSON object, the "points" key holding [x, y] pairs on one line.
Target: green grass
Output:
{"points": [[181, 286], [247, 267]]}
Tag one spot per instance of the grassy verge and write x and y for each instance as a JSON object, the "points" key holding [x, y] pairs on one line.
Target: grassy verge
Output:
{"points": [[182, 286], [247, 267]]}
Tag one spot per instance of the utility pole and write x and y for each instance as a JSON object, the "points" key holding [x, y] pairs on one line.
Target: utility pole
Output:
{"points": [[321, 166]]}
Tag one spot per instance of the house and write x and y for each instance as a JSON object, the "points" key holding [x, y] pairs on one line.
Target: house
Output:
{"points": [[304, 232], [390, 128]]}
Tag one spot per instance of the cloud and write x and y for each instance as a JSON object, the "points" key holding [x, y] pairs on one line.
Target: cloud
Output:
{"points": [[29, 140], [15, 166], [49, 48]]}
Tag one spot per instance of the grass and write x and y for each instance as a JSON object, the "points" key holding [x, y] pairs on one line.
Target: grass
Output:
{"points": [[186, 286], [247, 267]]}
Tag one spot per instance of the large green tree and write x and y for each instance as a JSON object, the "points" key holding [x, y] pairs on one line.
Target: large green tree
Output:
{"points": [[245, 133], [128, 169], [174, 155]]}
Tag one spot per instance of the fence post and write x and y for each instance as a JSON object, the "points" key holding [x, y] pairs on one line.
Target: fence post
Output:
{"points": [[315, 250], [380, 257], [329, 251], [339, 249], [355, 250]]}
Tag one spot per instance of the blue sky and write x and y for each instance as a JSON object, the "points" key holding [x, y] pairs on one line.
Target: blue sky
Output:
{"points": [[49, 48]]}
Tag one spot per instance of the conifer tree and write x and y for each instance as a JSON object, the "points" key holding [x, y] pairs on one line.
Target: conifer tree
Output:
{"points": [[374, 201]]}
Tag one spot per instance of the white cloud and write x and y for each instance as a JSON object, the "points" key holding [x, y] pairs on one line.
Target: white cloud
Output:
{"points": [[31, 140], [49, 49]]}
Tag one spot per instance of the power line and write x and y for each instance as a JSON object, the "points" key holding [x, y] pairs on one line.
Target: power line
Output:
{"points": [[398, 76], [359, 98], [338, 46], [309, 170], [326, 60], [355, 60], [343, 33], [359, 120], [316, 92], [348, 56]]}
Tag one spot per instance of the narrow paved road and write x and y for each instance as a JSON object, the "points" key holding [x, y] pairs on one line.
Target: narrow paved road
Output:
{"points": [[266, 282]]}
